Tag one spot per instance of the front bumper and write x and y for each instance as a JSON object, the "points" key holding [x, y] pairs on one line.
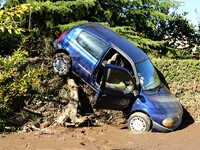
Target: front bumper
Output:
{"points": [[160, 128]]}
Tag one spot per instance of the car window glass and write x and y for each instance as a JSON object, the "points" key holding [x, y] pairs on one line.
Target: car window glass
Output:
{"points": [[92, 44], [147, 74], [119, 80]]}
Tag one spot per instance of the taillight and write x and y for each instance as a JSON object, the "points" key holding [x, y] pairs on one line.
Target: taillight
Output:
{"points": [[60, 37]]}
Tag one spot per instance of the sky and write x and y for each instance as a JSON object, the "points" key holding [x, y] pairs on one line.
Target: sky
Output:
{"points": [[190, 6], [2, 3]]}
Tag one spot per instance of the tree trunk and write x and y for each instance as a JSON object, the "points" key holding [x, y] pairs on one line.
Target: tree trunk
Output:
{"points": [[69, 115]]}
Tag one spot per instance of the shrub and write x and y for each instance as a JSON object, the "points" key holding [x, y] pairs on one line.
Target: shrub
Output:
{"points": [[17, 79]]}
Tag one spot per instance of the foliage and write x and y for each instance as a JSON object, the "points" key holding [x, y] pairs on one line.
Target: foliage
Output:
{"points": [[16, 81], [179, 70], [12, 20], [149, 23], [58, 13], [66, 27], [150, 20], [180, 32], [7, 73]]}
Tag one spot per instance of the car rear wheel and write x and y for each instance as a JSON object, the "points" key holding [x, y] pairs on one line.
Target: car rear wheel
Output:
{"points": [[139, 122], [61, 64]]}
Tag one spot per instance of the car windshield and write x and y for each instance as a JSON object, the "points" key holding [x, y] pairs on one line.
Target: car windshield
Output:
{"points": [[147, 74]]}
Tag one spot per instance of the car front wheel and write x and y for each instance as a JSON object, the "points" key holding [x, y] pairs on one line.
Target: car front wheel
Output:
{"points": [[139, 122], [61, 64]]}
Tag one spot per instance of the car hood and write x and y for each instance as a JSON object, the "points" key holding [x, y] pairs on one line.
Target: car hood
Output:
{"points": [[164, 101]]}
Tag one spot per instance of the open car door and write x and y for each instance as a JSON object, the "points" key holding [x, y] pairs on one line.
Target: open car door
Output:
{"points": [[116, 90]]}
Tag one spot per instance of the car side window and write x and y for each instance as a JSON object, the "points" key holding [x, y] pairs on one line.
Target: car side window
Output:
{"points": [[91, 44], [119, 80]]}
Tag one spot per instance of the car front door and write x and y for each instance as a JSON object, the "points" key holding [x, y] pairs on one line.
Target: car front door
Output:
{"points": [[116, 90]]}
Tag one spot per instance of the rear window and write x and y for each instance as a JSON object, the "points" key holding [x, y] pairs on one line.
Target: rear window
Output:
{"points": [[91, 44]]}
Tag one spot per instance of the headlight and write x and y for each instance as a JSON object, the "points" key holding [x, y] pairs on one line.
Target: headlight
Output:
{"points": [[168, 122]]}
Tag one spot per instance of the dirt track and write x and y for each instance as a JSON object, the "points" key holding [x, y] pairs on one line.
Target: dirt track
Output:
{"points": [[103, 138]]}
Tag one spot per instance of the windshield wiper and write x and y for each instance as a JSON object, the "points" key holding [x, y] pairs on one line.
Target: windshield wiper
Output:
{"points": [[159, 87]]}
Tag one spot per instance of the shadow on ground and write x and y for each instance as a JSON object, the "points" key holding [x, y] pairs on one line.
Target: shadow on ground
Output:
{"points": [[187, 120]]}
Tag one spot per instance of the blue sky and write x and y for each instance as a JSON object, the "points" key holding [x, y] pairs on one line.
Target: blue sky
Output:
{"points": [[2, 2], [190, 6]]}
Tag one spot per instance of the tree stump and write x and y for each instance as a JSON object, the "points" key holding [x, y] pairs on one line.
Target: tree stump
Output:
{"points": [[70, 115]]}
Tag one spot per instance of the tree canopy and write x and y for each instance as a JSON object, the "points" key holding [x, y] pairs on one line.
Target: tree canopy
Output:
{"points": [[151, 25]]}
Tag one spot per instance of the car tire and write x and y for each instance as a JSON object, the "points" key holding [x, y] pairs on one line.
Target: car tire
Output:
{"points": [[139, 122], [61, 64]]}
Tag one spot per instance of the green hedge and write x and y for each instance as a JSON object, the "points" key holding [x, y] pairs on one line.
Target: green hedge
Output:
{"points": [[183, 78]]}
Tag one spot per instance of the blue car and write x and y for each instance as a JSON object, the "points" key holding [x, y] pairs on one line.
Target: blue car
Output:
{"points": [[121, 74]]}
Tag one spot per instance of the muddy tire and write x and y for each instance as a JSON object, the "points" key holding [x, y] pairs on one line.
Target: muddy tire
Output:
{"points": [[61, 64], [139, 122]]}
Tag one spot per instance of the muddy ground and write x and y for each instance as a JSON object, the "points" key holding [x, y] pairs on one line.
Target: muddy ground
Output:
{"points": [[104, 137], [109, 133]]}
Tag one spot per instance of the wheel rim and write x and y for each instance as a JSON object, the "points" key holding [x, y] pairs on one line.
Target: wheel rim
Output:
{"points": [[137, 124], [60, 65]]}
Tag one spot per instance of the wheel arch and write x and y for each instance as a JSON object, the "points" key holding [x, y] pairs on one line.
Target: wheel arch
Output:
{"points": [[61, 51]]}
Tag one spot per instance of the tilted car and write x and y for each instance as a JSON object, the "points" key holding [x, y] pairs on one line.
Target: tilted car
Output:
{"points": [[121, 74]]}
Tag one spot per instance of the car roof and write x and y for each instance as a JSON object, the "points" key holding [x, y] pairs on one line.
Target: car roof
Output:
{"points": [[111, 37]]}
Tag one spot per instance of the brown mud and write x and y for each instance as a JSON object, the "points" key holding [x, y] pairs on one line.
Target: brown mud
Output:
{"points": [[105, 137]]}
